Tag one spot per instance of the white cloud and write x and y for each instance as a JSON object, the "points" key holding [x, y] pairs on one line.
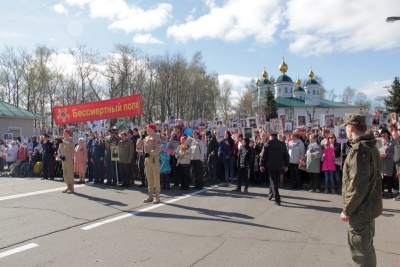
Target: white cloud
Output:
{"points": [[375, 88], [237, 81], [318, 27], [235, 20], [129, 18], [60, 9], [146, 39], [190, 17]]}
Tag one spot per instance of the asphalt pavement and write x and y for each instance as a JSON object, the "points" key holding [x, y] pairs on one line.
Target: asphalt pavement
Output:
{"points": [[110, 226]]}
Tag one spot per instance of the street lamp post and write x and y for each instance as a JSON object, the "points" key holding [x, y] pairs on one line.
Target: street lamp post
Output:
{"points": [[392, 19]]}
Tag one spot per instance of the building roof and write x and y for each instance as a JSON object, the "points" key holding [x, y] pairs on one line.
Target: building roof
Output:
{"points": [[283, 78], [8, 110], [312, 81], [298, 89], [266, 81], [297, 103]]}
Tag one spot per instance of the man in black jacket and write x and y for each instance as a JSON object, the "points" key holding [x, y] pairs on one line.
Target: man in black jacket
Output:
{"points": [[212, 155], [274, 157], [47, 158]]}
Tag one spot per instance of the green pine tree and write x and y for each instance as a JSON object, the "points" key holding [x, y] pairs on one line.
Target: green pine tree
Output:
{"points": [[270, 107], [393, 101]]}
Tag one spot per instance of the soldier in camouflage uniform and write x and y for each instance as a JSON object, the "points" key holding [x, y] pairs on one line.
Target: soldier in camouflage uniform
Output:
{"points": [[361, 190]]}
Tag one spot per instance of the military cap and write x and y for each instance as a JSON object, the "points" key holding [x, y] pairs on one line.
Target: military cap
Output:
{"points": [[46, 135], [272, 132], [354, 119]]}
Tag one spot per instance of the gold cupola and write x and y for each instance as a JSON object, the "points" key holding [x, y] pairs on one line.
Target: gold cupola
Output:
{"points": [[265, 74], [298, 82], [258, 82], [311, 74], [283, 67]]}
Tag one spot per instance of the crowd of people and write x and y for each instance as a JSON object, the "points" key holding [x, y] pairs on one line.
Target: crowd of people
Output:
{"points": [[120, 158]]}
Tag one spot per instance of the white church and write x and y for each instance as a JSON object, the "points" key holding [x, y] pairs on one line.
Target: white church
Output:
{"points": [[290, 95]]}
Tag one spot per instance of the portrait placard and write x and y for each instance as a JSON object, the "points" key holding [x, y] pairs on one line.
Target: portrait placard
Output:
{"points": [[114, 153]]}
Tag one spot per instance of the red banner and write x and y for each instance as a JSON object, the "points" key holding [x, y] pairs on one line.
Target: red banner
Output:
{"points": [[106, 109]]}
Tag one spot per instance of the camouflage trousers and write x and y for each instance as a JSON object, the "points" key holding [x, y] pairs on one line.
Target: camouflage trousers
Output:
{"points": [[360, 238]]}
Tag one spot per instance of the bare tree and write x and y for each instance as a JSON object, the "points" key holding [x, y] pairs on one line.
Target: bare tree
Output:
{"points": [[348, 95], [225, 104], [86, 60]]}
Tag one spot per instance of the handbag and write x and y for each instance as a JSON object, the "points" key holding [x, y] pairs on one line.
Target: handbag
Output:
{"points": [[302, 165], [4, 156]]}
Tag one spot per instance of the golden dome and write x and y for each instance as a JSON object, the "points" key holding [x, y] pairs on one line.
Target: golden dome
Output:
{"points": [[265, 74], [311, 74], [283, 68], [258, 82], [298, 82]]}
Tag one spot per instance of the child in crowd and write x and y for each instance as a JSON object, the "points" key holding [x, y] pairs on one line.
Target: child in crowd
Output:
{"points": [[245, 156], [328, 166], [165, 167]]}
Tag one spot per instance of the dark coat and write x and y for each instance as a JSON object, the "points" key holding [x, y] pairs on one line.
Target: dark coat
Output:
{"points": [[274, 155], [225, 149], [212, 146]]}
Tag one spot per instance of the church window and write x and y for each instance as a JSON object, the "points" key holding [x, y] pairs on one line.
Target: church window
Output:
{"points": [[285, 89], [313, 92]]}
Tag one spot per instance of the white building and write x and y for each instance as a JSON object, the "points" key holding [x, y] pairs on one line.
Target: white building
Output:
{"points": [[292, 95]]}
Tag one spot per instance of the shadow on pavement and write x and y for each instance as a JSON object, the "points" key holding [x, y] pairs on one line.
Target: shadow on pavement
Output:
{"points": [[308, 207], [104, 201], [225, 220]]}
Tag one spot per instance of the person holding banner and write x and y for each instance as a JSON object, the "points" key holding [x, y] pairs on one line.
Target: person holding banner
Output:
{"points": [[152, 147], [66, 153]]}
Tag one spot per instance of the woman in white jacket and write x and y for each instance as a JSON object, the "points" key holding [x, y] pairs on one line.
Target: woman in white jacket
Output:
{"points": [[12, 154], [296, 151]]}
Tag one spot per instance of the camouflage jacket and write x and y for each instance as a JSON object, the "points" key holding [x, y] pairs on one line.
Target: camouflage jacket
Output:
{"points": [[362, 185]]}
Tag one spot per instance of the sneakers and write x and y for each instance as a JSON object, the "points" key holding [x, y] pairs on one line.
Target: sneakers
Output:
{"points": [[326, 191], [395, 191], [312, 191], [317, 191], [396, 199], [156, 201], [333, 192]]}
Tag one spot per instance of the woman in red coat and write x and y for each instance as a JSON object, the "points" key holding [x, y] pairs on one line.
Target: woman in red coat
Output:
{"points": [[80, 158]]}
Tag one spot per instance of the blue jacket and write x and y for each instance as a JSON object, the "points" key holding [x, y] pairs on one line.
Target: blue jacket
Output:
{"points": [[165, 167], [225, 149]]}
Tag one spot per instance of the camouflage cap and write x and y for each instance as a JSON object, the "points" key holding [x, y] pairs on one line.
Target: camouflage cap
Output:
{"points": [[354, 119]]}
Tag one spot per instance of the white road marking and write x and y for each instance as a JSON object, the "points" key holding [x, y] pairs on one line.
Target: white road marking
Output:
{"points": [[37, 192], [16, 250], [94, 225]]}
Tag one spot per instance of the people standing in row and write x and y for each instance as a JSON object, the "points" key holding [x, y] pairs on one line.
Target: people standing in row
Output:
{"points": [[183, 156], [225, 152], [111, 165], [66, 153], [296, 152], [89, 142], [212, 155], [245, 157], [125, 146], [80, 159], [313, 163], [47, 158], [97, 151], [198, 152]]}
